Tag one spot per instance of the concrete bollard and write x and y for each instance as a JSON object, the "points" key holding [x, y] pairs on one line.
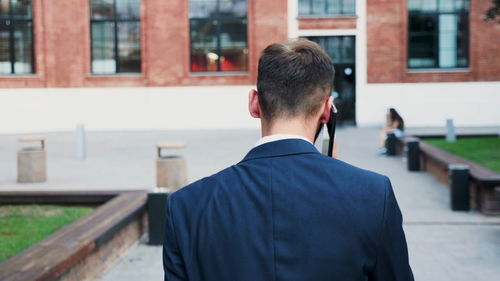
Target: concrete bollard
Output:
{"points": [[413, 152], [32, 161], [171, 171], [450, 131], [81, 147], [459, 187]]}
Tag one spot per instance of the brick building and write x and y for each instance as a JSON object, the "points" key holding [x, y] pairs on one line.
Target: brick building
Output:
{"points": [[139, 64]]}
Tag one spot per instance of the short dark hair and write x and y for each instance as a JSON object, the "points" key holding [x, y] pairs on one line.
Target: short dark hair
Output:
{"points": [[293, 78]]}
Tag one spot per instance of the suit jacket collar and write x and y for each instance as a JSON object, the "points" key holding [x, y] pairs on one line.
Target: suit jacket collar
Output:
{"points": [[280, 148]]}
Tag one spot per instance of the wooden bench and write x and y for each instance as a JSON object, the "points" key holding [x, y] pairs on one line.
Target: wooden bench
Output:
{"points": [[485, 183], [79, 249], [40, 139], [169, 145]]}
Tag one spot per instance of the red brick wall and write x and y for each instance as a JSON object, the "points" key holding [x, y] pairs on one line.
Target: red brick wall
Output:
{"points": [[62, 46], [387, 34], [328, 23]]}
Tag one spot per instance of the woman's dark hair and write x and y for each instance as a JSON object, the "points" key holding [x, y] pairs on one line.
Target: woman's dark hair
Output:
{"points": [[396, 117], [293, 78]]}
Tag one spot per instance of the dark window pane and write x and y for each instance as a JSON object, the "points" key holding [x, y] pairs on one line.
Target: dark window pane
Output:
{"points": [[116, 36], [129, 46], [103, 48], [4, 7], [414, 5], [422, 23], [339, 48], [21, 8], [438, 33], [423, 5], [128, 9], [349, 7], [304, 7], [233, 8], [422, 43], [347, 50], [16, 37], [462, 5], [327, 7], [446, 5], [202, 8], [332, 45], [102, 9], [422, 51], [333, 6], [218, 32], [318, 7], [204, 56], [233, 40], [429, 5], [462, 42], [22, 48], [5, 64]]}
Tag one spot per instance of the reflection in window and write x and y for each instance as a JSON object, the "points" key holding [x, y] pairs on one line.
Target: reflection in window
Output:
{"points": [[116, 36], [327, 7], [16, 37], [339, 48], [218, 32], [438, 33]]}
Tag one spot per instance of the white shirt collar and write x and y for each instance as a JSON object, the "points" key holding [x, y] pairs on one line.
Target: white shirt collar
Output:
{"points": [[278, 137]]}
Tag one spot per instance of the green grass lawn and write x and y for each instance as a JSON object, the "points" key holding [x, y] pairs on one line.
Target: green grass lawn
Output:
{"points": [[21, 226], [484, 151]]}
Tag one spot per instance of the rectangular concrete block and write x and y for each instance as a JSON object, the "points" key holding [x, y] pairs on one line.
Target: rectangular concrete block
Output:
{"points": [[31, 166], [171, 172]]}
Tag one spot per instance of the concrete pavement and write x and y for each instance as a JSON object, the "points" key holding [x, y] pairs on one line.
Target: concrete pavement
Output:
{"points": [[443, 245], [123, 160]]}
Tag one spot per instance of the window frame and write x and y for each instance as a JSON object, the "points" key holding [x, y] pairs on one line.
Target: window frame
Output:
{"points": [[12, 19], [115, 21], [325, 13], [464, 14], [218, 19]]}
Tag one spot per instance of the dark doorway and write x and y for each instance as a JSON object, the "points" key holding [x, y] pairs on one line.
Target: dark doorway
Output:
{"points": [[342, 49]]}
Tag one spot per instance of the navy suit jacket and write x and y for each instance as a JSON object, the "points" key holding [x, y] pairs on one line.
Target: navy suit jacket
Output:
{"points": [[286, 212]]}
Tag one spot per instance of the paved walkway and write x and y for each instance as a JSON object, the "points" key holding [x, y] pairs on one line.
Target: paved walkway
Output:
{"points": [[443, 245], [123, 160]]}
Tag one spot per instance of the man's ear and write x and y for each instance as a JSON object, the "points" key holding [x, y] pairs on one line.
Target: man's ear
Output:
{"points": [[253, 104], [326, 110]]}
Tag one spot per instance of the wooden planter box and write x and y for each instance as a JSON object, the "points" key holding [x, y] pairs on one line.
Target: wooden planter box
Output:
{"points": [[86, 248], [484, 183]]}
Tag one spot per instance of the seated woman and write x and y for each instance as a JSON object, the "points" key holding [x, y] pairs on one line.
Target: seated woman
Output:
{"points": [[395, 124]]}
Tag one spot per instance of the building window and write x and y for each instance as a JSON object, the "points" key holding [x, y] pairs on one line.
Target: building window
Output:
{"points": [[116, 36], [218, 32], [438, 33], [16, 37], [327, 7], [339, 48]]}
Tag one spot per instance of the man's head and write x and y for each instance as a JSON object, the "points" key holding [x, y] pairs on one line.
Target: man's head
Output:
{"points": [[295, 78]]}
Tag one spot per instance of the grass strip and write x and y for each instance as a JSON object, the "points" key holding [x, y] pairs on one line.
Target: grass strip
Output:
{"points": [[22, 226], [484, 151]]}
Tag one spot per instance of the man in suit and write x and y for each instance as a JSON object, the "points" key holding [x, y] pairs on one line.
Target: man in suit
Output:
{"points": [[286, 211]]}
